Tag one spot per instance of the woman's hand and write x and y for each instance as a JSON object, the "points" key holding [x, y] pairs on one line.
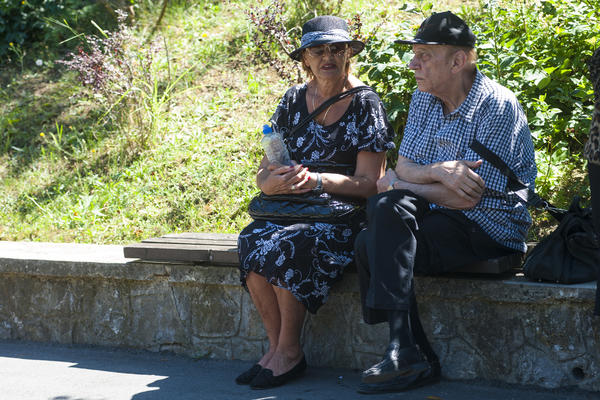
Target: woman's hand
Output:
{"points": [[284, 179], [387, 181]]}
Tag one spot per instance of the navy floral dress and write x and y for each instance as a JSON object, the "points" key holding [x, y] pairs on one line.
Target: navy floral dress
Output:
{"points": [[308, 258]]}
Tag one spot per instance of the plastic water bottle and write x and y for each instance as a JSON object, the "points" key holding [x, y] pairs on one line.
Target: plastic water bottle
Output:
{"points": [[275, 147]]}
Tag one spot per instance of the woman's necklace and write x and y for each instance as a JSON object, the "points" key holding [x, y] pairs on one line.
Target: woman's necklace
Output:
{"points": [[313, 104], [328, 108]]}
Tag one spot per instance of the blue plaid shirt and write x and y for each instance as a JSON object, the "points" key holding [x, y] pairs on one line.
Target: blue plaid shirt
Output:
{"points": [[492, 114]]}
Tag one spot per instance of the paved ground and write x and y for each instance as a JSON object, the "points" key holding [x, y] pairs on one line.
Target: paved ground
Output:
{"points": [[34, 371]]}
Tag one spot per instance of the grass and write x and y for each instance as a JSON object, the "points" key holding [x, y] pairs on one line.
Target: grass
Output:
{"points": [[178, 156], [84, 180]]}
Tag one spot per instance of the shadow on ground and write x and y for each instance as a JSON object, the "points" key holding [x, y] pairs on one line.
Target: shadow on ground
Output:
{"points": [[90, 373]]}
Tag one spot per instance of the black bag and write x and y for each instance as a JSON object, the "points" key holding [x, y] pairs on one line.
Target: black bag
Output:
{"points": [[307, 207], [571, 253], [310, 207]]}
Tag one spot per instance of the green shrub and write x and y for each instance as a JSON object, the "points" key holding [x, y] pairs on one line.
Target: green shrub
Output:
{"points": [[25, 24], [383, 65], [540, 51], [303, 10]]}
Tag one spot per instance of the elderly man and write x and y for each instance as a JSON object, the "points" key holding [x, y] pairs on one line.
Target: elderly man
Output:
{"points": [[442, 206]]}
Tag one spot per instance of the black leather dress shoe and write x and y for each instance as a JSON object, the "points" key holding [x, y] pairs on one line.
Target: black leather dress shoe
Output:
{"points": [[266, 380], [396, 362], [405, 382], [246, 377]]}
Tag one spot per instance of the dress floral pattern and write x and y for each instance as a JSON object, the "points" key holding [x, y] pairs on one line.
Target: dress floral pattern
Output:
{"points": [[308, 258]]}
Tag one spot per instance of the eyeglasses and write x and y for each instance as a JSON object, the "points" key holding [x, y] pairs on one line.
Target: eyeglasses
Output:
{"points": [[336, 49]]}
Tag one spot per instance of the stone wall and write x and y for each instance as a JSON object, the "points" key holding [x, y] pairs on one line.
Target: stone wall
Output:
{"points": [[500, 329]]}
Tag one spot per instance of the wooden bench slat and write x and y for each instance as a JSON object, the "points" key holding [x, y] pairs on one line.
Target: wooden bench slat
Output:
{"points": [[226, 257], [187, 246], [181, 252], [494, 265], [166, 252], [222, 249], [202, 236], [198, 242]]}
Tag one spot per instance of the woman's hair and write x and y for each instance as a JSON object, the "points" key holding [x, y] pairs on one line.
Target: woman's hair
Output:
{"points": [[309, 73]]}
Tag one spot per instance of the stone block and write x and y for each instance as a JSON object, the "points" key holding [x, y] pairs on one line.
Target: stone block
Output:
{"points": [[154, 317], [35, 310], [328, 329], [251, 326], [372, 339], [106, 312], [216, 311], [202, 274]]}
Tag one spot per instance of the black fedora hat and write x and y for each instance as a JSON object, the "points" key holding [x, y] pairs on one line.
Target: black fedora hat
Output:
{"points": [[443, 28], [326, 29]]}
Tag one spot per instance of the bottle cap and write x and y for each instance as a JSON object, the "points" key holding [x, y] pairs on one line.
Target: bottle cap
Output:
{"points": [[267, 129]]}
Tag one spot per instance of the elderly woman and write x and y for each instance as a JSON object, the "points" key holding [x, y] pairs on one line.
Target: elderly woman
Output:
{"points": [[290, 268]]}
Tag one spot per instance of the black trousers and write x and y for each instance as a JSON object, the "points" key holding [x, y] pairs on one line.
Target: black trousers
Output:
{"points": [[404, 237]]}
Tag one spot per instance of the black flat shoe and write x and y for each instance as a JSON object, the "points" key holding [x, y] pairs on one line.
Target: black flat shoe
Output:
{"points": [[246, 377], [266, 380], [397, 362], [405, 382]]}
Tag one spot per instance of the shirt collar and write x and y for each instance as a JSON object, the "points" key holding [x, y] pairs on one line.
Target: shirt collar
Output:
{"points": [[468, 107]]}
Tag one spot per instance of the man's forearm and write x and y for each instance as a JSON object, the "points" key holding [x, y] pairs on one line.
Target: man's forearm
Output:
{"points": [[454, 183], [438, 194], [409, 171]]}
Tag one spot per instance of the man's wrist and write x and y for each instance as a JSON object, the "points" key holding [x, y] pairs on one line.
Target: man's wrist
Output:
{"points": [[434, 172]]}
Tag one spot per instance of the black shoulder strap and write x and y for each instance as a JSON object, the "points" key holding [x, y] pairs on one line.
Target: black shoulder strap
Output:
{"points": [[523, 191], [327, 103]]}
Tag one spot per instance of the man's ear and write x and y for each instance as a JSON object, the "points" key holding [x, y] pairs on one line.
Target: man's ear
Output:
{"points": [[459, 60]]}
